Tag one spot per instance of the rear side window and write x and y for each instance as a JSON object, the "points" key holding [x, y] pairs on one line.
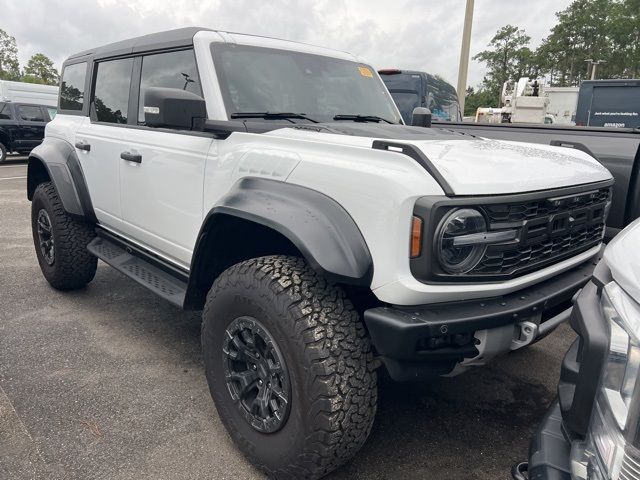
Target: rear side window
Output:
{"points": [[111, 96], [30, 113], [72, 87], [170, 70], [5, 111]]}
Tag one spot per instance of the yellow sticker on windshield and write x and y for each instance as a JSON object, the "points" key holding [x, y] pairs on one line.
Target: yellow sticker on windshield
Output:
{"points": [[365, 72]]}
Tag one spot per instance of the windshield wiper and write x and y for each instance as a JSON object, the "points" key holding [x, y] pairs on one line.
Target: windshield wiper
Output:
{"points": [[272, 115], [362, 118]]}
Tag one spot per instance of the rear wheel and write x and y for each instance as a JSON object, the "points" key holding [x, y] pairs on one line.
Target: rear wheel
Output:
{"points": [[61, 241], [289, 366]]}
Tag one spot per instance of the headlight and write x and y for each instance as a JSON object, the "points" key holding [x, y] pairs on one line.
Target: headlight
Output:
{"points": [[611, 448], [457, 250]]}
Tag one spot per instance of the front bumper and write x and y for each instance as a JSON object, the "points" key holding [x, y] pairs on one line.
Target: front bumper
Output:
{"points": [[421, 341], [567, 420]]}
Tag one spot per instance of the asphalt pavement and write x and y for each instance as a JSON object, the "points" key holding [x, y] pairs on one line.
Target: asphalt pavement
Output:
{"points": [[107, 383]]}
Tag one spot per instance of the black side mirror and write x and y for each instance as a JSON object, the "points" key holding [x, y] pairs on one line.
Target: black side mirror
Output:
{"points": [[421, 117], [174, 108]]}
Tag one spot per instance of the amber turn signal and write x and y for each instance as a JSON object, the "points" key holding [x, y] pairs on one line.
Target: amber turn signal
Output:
{"points": [[416, 237]]}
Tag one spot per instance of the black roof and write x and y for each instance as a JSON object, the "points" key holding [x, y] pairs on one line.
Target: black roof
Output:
{"points": [[181, 37]]}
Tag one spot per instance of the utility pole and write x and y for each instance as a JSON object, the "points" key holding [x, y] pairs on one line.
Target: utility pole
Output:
{"points": [[464, 54]]}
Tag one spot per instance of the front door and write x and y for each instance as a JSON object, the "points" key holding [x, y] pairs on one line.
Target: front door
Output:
{"points": [[162, 170]]}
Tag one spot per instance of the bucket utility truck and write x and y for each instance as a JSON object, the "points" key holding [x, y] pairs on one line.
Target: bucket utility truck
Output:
{"points": [[274, 186]]}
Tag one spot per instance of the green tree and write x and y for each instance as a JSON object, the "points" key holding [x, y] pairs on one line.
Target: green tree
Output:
{"points": [[624, 31], [581, 33], [475, 99], [9, 67], [41, 67], [507, 58]]}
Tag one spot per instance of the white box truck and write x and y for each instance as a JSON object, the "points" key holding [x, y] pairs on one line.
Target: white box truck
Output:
{"points": [[22, 92]]}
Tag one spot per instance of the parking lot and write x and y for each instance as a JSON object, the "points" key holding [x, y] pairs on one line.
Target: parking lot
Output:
{"points": [[107, 382]]}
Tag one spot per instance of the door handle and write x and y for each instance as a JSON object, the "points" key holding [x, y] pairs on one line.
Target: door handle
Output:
{"points": [[131, 157], [83, 146]]}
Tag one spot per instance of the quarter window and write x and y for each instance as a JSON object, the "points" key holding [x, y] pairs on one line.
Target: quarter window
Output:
{"points": [[111, 96], [30, 113], [5, 111], [169, 70], [72, 86]]}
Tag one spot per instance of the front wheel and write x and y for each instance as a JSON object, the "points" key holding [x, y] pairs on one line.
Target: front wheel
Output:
{"points": [[61, 241], [289, 367], [3, 153]]}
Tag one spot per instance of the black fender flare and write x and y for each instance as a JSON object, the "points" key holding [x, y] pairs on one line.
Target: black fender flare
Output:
{"points": [[318, 226], [62, 165]]}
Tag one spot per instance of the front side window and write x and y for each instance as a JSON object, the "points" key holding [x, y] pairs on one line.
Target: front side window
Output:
{"points": [[5, 111], [30, 113], [111, 97], [72, 86], [255, 79], [169, 70]]}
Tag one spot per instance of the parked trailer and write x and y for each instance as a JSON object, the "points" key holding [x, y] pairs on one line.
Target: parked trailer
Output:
{"points": [[562, 104], [609, 103], [33, 93]]}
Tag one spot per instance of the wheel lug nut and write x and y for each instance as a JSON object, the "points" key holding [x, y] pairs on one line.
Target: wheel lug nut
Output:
{"points": [[260, 382], [254, 366]]}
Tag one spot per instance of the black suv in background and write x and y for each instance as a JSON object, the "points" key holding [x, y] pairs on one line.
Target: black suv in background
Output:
{"points": [[22, 126], [411, 89]]}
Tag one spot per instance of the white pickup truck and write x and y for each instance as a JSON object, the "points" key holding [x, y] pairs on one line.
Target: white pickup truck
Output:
{"points": [[274, 185]]}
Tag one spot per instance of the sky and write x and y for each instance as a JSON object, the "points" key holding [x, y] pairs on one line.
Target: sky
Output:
{"points": [[409, 34]]}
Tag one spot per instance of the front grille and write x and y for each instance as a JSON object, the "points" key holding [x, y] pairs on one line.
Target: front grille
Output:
{"points": [[549, 230], [630, 468], [516, 212]]}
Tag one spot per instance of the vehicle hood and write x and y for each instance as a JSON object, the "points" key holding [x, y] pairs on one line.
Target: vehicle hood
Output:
{"points": [[622, 258], [470, 165]]}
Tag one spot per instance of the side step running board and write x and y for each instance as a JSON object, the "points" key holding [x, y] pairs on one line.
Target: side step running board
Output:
{"points": [[158, 281]]}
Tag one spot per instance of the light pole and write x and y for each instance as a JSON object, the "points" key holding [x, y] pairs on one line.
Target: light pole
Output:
{"points": [[594, 65], [464, 54]]}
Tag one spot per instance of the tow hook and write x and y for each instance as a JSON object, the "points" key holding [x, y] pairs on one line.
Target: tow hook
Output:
{"points": [[524, 333], [518, 471]]}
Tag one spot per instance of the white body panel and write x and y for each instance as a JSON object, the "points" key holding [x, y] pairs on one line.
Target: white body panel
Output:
{"points": [[101, 168], [622, 258], [162, 202], [162, 196], [22, 92]]}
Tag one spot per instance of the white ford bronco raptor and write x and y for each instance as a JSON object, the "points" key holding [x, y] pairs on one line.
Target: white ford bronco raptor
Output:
{"points": [[274, 186]]}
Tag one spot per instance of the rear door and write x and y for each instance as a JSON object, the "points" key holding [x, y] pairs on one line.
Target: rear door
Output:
{"points": [[100, 139], [162, 191], [31, 122]]}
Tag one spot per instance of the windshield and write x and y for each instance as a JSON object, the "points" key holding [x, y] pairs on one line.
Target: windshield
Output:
{"points": [[256, 79], [410, 91]]}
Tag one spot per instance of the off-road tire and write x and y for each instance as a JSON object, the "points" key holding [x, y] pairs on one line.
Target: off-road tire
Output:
{"points": [[3, 153], [73, 266], [328, 355]]}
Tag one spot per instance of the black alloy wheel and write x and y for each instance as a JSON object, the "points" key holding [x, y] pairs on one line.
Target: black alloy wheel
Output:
{"points": [[256, 375], [45, 237]]}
